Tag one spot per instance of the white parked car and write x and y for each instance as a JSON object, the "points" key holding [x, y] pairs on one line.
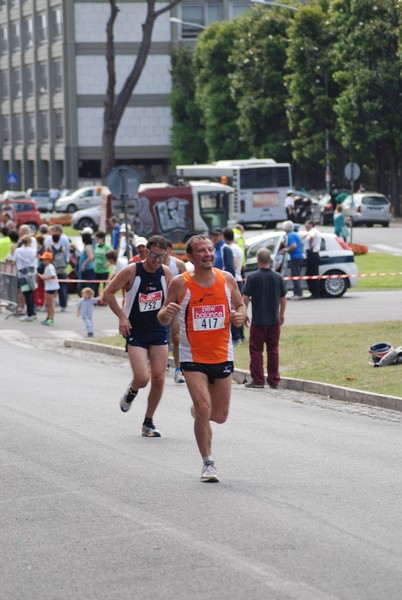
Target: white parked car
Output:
{"points": [[369, 208], [84, 197], [87, 217], [336, 258]]}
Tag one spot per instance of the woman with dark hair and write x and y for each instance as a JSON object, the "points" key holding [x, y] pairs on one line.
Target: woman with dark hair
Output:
{"points": [[86, 265]]}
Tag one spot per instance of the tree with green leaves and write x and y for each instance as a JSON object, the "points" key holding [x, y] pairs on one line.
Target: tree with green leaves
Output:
{"points": [[312, 90], [367, 69], [187, 140], [257, 81], [219, 110]]}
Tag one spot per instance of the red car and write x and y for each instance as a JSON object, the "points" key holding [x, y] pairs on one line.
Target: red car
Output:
{"points": [[25, 212]]}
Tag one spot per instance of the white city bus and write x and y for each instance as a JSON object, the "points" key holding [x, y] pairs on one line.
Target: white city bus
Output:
{"points": [[260, 187]]}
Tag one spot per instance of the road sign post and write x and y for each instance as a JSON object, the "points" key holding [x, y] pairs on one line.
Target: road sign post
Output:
{"points": [[352, 172], [12, 179], [123, 182]]}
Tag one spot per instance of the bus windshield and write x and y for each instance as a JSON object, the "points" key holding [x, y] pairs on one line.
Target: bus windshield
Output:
{"points": [[264, 177], [214, 208]]}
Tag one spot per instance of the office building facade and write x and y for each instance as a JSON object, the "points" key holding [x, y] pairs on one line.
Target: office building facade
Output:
{"points": [[53, 79]]}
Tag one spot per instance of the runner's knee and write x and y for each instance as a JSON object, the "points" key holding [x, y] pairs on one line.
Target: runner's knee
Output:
{"points": [[219, 416], [141, 380]]}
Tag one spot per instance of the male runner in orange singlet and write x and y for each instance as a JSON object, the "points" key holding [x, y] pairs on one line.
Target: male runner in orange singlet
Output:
{"points": [[206, 301]]}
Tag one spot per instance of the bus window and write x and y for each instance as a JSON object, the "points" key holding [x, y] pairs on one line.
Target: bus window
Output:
{"points": [[214, 208], [264, 177]]}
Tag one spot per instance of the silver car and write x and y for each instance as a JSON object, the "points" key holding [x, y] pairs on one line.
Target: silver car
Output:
{"points": [[368, 208], [42, 199], [82, 198]]}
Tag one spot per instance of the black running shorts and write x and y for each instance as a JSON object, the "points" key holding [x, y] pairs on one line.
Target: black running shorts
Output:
{"points": [[216, 371]]}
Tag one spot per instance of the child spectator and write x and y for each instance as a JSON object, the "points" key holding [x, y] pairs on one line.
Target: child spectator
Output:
{"points": [[117, 263], [51, 286], [85, 309]]}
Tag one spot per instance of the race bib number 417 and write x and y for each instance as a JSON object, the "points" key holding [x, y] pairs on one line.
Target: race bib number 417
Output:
{"points": [[149, 302], [207, 318]]}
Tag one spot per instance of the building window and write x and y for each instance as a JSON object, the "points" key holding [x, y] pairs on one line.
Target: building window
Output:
{"points": [[6, 130], [239, 9], [198, 14], [18, 128], [44, 126], [15, 36], [58, 117], [31, 129], [28, 32], [16, 82], [57, 76], [29, 81], [42, 28], [3, 39], [56, 24], [4, 89], [42, 78]]}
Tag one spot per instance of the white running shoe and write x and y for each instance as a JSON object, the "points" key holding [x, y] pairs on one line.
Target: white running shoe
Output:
{"points": [[127, 399], [149, 429], [179, 377], [209, 473]]}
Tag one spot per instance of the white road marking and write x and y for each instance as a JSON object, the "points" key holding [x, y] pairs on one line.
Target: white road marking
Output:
{"points": [[387, 249]]}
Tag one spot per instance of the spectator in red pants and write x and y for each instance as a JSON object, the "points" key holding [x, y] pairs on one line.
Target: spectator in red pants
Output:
{"points": [[266, 291]]}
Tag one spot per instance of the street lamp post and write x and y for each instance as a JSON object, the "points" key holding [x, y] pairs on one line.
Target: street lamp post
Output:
{"points": [[180, 22], [269, 3]]}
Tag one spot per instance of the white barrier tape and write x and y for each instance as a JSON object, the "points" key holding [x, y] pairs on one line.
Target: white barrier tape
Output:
{"points": [[83, 281], [340, 276]]}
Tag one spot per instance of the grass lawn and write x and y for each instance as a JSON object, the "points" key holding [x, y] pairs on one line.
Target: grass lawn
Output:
{"points": [[330, 354], [376, 262]]}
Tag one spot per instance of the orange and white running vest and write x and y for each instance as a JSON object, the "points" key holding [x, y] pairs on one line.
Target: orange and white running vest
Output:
{"points": [[205, 322]]}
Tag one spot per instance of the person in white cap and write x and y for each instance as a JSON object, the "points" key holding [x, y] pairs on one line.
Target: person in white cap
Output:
{"points": [[141, 247]]}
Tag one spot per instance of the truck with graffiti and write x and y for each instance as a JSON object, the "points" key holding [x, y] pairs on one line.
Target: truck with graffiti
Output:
{"points": [[176, 212]]}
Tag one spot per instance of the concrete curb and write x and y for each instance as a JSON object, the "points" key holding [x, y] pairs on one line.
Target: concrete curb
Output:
{"points": [[299, 385]]}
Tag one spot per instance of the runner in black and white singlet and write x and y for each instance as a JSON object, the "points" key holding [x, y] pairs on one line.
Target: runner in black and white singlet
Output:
{"points": [[145, 284], [142, 303]]}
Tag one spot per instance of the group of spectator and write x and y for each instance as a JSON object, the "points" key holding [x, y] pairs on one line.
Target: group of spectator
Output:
{"points": [[41, 261]]}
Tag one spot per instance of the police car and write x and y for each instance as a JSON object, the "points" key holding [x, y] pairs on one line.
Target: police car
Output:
{"points": [[336, 258]]}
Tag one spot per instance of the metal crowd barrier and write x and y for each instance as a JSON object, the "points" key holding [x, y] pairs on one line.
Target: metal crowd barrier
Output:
{"points": [[8, 287]]}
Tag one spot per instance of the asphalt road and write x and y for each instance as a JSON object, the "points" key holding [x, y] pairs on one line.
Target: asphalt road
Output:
{"points": [[308, 506]]}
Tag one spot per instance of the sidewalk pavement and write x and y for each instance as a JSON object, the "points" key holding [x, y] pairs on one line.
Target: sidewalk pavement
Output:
{"points": [[241, 376]]}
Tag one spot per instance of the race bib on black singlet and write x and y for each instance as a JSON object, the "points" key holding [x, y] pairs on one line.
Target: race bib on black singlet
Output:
{"points": [[208, 318], [148, 302]]}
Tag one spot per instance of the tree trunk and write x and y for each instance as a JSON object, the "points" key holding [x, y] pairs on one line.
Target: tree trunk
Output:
{"points": [[109, 121], [115, 107]]}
